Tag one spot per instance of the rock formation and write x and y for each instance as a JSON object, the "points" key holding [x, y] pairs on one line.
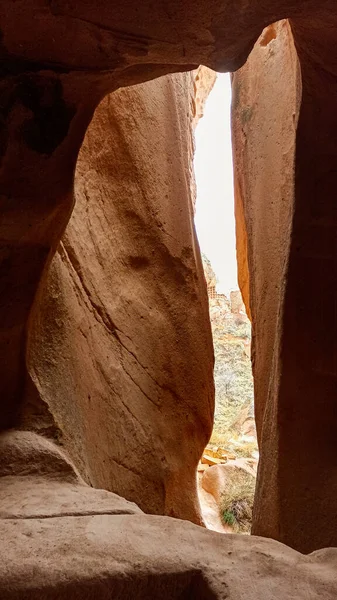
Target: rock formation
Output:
{"points": [[210, 276], [264, 156], [204, 80], [215, 479], [65, 540], [58, 60], [120, 349], [231, 332], [284, 147]]}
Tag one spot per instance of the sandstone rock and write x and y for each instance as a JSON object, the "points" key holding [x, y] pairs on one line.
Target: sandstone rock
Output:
{"points": [[285, 198], [193, 33], [37, 481], [213, 452], [92, 553], [249, 429], [210, 510], [256, 147], [57, 61], [99, 557], [57, 66], [204, 80], [264, 156], [210, 276], [120, 349], [237, 305], [210, 460], [245, 423], [216, 478]]}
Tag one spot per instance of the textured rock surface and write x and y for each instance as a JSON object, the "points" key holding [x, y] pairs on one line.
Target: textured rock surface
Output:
{"points": [[37, 481], [285, 186], [210, 510], [58, 59], [264, 155], [112, 550], [55, 68], [215, 479], [204, 80], [307, 416], [121, 349], [126, 43], [41, 133]]}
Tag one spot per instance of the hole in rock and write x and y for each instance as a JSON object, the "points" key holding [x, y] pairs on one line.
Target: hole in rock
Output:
{"points": [[226, 473], [268, 35]]}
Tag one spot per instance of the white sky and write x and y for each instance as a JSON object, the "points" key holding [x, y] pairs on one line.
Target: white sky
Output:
{"points": [[214, 217]]}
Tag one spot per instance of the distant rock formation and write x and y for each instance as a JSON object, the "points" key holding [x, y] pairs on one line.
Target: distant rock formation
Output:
{"points": [[210, 276], [231, 330]]}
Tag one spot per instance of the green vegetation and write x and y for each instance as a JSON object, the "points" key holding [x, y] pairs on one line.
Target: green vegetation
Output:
{"points": [[236, 504], [228, 518]]}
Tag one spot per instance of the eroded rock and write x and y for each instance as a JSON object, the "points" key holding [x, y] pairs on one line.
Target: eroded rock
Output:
{"points": [[287, 227], [121, 349], [80, 51], [108, 548]]}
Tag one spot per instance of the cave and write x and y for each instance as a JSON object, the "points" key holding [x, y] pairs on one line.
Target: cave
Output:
{"points": [[106, 387]]}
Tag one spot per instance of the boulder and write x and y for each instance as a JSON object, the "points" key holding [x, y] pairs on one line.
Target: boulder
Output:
{"points": [[216, 478]]}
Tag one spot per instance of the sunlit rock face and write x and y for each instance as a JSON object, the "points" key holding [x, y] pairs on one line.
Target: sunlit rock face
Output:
{"points": [[120, 348]]}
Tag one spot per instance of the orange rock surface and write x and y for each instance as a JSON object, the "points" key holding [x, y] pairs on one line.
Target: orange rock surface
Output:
{"points": [[128, 372], [80, 326]]}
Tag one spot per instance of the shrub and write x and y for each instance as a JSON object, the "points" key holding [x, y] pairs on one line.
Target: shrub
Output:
{"points": [[236, 504], [228, 518]]}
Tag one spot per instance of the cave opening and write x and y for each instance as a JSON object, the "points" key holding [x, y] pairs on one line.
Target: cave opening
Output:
{"points": [[227, 471]]}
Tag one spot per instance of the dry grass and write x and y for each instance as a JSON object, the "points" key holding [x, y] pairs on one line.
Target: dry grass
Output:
{"points": [[221, 439], [236, 504], [246, 450]]}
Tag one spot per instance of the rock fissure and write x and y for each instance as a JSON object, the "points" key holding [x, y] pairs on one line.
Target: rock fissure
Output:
{"points": [[129, 256]]}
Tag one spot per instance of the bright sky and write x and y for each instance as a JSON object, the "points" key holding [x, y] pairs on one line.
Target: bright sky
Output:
{"points": [[214, 217]]}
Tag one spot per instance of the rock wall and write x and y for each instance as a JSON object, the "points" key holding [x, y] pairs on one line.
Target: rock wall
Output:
{"points": [[284, 144], [307, 398], [58, 60], [120, 348], [63, 539], [266, 96], [204, 80]]}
